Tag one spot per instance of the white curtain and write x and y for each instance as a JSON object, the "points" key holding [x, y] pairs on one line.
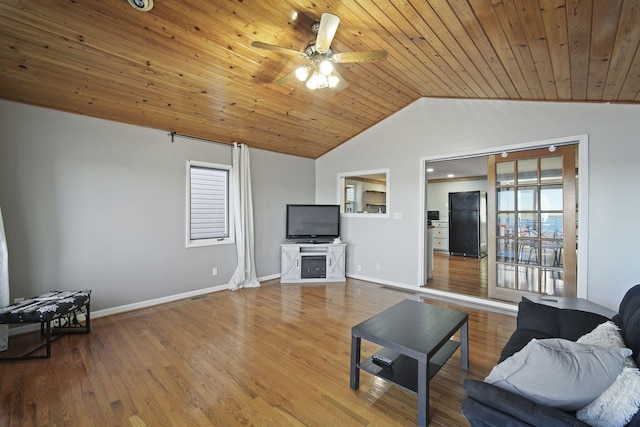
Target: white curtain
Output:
{"points": [[245, 274], [4, 284]]}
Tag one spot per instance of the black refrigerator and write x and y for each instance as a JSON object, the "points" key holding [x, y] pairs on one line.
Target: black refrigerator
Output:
{"points": [[468, 223]]}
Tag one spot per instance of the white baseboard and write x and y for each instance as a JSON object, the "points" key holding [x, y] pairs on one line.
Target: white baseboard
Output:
{"points": [[270, 277], [382, 282], [128, 307], [156, 301]]}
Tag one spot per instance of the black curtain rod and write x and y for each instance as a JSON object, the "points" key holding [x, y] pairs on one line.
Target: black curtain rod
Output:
{"points": [[173, 134]]}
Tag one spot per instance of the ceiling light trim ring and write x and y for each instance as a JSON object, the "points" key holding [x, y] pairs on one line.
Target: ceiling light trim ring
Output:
{"points": [[141, 5]]}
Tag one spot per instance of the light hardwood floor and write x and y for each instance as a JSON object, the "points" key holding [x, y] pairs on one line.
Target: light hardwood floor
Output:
{"points": [[461, 275], [277, 355]]}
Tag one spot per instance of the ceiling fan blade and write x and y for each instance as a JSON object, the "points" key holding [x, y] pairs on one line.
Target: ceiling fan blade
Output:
{"points": [[368, 56], [326, 31], [286, 78], [278, 49]]}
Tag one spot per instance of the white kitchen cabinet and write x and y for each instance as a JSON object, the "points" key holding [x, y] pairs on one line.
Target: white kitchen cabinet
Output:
{"points": [[440, 236]]}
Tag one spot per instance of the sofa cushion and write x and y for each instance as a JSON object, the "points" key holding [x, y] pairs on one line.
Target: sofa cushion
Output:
{"points": [[538, 317], [518, 340], [631, 333], [556, 322], [575, 323], [629, 303], [559, 373], [479, 415], [509, 406], [628, 319], [635, 421], [542, 321]]}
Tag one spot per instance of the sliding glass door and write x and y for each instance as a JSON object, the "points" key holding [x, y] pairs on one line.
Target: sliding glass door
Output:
{"points": [[532, 223]]}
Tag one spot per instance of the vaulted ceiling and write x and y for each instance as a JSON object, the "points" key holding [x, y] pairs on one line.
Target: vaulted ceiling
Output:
{"points": [[189, 67]]}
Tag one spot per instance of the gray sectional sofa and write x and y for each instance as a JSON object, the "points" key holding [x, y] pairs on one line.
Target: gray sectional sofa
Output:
{"points": [[490, 403]]}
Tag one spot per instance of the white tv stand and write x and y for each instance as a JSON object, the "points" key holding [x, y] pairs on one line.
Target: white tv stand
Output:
{"points": [[313, 262]]}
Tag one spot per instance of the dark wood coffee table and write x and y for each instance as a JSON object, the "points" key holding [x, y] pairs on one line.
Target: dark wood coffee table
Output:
{"points": [[417, 338]]}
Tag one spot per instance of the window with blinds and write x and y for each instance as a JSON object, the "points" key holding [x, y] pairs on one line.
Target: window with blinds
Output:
{"points": [[208, 213]]}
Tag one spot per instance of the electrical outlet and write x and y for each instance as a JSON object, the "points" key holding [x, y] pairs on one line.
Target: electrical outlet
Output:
{"points": [[214, 271], [359, 267], [377, 266], [17, 300]]}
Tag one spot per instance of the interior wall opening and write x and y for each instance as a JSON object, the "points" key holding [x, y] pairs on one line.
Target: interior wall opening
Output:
{"points": [[468, 276]]}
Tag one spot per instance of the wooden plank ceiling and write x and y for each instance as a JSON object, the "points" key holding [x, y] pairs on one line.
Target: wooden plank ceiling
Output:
{"points": [[189, 67]]}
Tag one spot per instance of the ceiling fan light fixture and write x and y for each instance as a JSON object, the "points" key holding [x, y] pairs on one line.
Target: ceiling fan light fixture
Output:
{"points": [[312, 82], [302, 73], [317, 81], [326, 68], [319, 72], [333, 80], [322, 82]]}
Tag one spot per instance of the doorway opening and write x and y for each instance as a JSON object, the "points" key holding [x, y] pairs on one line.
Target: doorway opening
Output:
{"points": [[442, 272]]}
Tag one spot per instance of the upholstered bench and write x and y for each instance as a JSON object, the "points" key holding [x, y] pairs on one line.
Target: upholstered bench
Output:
{"points": [[58, 312]]}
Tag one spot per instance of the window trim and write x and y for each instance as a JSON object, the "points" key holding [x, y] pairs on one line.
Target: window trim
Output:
{"points": [[189, 243]]}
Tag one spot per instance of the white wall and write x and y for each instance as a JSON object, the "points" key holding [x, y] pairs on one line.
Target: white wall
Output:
{"points": [[278, 179], [90, 203], [442, 127]]}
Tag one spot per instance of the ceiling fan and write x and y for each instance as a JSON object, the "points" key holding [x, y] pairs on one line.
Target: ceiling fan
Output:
{"points": [[320, 72]]}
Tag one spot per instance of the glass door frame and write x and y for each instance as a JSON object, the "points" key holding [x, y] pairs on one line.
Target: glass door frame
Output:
{"points": [[530, 276]]}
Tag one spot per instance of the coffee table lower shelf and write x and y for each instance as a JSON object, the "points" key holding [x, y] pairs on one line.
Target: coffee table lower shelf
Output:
{"points": [[404, 370]]}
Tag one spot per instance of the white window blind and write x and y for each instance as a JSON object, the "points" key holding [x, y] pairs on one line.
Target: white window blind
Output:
{"points": [[208, 204]]}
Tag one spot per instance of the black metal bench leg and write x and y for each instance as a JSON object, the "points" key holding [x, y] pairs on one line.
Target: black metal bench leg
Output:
{"points": [[88, 318], [48, 340]]}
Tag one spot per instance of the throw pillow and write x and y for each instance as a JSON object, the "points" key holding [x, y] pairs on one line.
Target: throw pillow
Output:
{"points": [[556, 322], [608, 335], [538, 317], [559, 373], [575, 323], [617, 405]]}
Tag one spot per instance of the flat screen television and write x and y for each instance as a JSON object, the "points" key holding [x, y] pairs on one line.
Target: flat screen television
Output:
{"points": [[313, 223]]}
